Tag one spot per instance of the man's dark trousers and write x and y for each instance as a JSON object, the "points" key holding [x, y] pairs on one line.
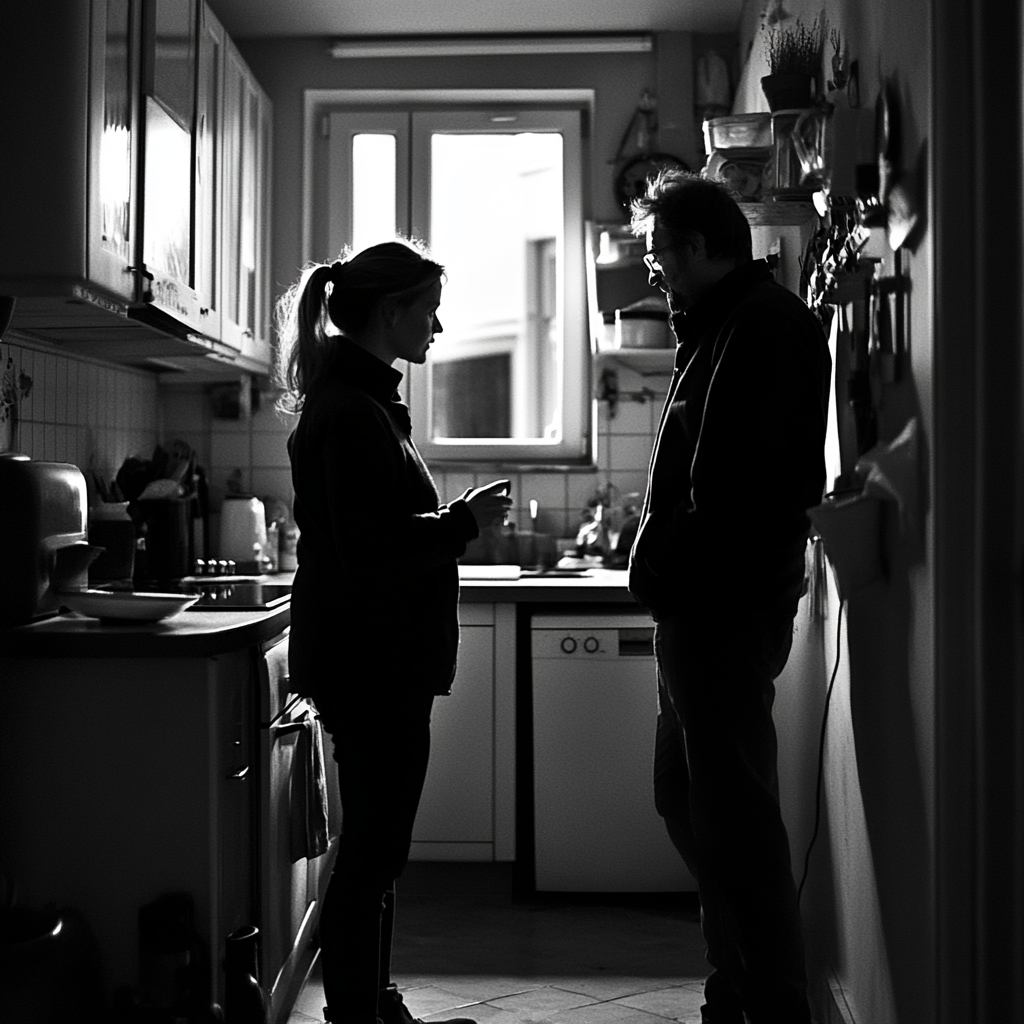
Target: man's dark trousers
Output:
{"points": [[716, 785]]}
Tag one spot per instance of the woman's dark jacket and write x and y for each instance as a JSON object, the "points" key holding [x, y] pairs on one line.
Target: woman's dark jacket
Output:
{"points": [[739, 454], [375, 601]]}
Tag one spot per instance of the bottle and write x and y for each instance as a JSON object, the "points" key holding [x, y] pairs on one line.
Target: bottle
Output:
{"points": [[271, 551], [289, 561]]}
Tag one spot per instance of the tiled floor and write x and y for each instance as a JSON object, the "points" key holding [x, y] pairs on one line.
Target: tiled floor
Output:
{"points": [[464, 943]]}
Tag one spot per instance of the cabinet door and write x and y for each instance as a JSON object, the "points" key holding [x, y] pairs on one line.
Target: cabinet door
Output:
{"points": [[245, 312], [207, 196], [457, 806], [257, 344], [113, 149], [232, 126]]}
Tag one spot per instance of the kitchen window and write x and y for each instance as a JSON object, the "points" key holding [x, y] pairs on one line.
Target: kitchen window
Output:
{"points": [[494, 187]]}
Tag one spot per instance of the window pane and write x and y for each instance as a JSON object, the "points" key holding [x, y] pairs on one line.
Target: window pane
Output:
{"points": [[373, 190], [496, 223]]}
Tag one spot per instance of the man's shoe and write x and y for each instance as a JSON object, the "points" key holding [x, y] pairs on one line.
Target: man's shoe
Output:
{"points": [[391, 1009]]}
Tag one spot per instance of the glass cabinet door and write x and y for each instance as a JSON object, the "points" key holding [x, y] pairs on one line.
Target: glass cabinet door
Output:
{"points": [[207, 185], [246, 170], [114, 87]]}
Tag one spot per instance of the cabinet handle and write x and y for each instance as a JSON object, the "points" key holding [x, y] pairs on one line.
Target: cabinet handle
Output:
{"points": [[239, 773]]}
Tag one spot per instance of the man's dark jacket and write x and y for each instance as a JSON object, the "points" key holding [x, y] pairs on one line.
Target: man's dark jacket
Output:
{"points": [[375, 601], [739, 454]]}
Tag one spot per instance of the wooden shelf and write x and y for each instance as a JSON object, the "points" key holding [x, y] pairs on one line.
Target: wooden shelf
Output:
{"points": [[648, 362], [773, 213]]}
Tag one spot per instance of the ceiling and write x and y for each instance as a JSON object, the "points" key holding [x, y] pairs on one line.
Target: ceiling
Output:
{"points": [[254, 18]]}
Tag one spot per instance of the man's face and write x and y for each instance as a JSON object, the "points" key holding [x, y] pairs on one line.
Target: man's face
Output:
{"points": [[672, 266]]}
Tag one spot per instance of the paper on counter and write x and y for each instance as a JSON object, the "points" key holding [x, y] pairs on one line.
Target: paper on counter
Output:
{"points": [[489, 572]]}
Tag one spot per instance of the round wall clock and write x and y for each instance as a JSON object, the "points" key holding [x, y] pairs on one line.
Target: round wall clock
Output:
{"points": [[631, 180]]}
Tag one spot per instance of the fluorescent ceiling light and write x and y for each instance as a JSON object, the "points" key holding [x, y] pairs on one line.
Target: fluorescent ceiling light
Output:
{"points": [[490, 46]]}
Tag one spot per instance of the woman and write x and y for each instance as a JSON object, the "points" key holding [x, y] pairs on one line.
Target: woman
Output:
{"points": [[374, 628]]}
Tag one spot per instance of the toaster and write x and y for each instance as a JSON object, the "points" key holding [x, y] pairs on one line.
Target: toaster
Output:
{"points": [[43, 529]]}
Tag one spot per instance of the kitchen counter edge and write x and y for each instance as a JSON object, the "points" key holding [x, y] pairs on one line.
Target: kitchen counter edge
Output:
{"points": [[191, 634]]}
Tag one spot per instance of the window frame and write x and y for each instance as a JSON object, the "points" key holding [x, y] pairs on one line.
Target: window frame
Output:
{"points": [[576, 448]]}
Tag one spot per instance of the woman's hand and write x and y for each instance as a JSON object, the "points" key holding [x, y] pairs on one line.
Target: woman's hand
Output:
{"points": [[489, 503]]}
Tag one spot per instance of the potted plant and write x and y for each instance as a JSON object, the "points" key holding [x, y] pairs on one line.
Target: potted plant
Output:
{"points": [[794, 55], [13, 385]]}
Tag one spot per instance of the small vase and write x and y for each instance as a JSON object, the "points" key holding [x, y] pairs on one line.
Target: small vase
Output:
{"points": [[788, 91]]}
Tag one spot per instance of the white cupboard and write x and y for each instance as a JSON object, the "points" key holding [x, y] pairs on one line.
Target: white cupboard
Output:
{"points": [[467, 811]]}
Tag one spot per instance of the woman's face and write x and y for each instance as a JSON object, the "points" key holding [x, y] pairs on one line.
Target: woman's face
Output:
{"points": [[416, 325]]}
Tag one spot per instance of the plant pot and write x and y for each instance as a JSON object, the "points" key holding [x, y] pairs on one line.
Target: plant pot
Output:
{"points": [[788, 91]]}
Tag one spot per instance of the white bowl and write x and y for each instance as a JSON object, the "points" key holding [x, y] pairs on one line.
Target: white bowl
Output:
{"points": [[128, 605]]}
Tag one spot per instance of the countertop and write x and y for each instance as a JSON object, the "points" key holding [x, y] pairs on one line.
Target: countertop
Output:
{"points": [[188, 635], [204, 634], [599, 586]]}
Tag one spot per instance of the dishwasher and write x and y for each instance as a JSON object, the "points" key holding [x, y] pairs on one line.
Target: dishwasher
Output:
{"points": [[595, 707]]}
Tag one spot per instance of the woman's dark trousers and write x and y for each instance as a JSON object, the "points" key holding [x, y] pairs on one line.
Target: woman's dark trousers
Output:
{"points": [[381, 746]]}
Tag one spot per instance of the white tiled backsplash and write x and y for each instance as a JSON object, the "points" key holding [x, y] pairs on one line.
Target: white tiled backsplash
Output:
{"points": [[81, 410]]}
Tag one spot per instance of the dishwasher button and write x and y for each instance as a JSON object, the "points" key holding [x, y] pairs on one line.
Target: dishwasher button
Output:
{"points": [[590, 644], [568, 644]]}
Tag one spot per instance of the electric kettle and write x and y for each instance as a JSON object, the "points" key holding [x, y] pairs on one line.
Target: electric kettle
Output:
{"points": [[243, 532]]}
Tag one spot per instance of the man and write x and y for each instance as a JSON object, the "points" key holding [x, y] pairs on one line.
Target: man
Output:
{"points": [[719, 562]]}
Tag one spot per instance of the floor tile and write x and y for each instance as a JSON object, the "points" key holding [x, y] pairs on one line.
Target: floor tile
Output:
{"points": [[542, 1002], [432, 1000], [603, 988], [483, 1013], [302, 1018], [605, 1013], [677, 1003], [474, 988], [466, 943], [311, 999]]}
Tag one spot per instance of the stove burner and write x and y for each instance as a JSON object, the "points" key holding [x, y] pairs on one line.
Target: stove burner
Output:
{"points": [[225, 593], [236, 596]]}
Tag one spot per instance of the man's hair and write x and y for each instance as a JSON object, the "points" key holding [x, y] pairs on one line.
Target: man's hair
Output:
{"points": [[685, 203]]}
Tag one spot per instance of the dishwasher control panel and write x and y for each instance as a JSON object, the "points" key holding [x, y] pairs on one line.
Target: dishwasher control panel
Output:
{"points": [[602, 638]]}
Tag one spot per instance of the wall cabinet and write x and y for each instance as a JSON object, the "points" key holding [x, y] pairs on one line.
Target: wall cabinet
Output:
{"points": [[136, 204], [467, 811]]}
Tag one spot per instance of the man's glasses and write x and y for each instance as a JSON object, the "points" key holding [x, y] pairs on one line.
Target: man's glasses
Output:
{"points": [[651, 259]]}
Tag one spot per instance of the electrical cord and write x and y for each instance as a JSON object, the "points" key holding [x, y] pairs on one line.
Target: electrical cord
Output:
{"points": [[821, 756]]}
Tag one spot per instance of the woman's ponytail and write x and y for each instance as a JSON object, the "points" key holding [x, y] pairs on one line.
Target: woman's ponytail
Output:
{"points": [[339, 298], [303, 344]]}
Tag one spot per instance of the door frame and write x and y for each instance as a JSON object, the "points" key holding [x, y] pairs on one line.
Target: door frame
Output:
{"points": [[978, 218]]}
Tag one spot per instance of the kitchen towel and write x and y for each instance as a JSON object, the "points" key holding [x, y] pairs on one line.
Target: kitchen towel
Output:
{"points": [[309, 835]]}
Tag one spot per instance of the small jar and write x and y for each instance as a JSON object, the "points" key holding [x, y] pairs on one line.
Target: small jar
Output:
{"points": [[271, 553], [289, 560], [111, 528]]}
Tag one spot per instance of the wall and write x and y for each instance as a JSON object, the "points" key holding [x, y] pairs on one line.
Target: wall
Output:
{"points": [[869, 903], [107, 429], [287, 67], [80, 410], [258, 449]]}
